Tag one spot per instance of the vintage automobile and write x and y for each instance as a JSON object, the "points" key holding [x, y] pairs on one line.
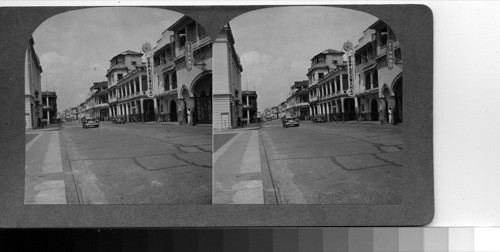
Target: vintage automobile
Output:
{"points": [[318, 118], [118, 119], [289, 121], [90, 122]]}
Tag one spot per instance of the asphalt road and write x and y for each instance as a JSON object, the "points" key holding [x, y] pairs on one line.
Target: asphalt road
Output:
{"points": [[333, 163], [137, 164]]}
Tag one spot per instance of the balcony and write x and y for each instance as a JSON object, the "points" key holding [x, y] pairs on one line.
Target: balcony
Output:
{"points": [[180, 52], [314, 99]]}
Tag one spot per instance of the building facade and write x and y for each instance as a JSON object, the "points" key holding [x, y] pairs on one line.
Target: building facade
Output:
{"points": [[127, 86], [328, 85], [379, 69], [96, 105], [191, 54], [32, 88], [227, 95], [49, 101], [298, 100], [249, 109]]}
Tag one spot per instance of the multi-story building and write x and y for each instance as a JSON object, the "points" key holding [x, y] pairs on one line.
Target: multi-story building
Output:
{"points": [[298, 100], [32, 88], [49, 101], [227, 95], [328, 85], [249, 102], [191, 54], [127, 86], [379, 74], [96, 105], [165, 78]]}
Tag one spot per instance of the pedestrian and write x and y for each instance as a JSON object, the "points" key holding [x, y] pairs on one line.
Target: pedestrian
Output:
{"points": [[40, 122], [238, 123], [190, 119], [390, 116]]}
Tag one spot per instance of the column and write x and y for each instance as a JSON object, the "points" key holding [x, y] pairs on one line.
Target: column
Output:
{"points": [[327, 111], [134, 85], [248, 114], [140, 87], [342, 105], [311, 111], [48, 117], [155, 103], [356, 107], [142, 103], [342, 90]]}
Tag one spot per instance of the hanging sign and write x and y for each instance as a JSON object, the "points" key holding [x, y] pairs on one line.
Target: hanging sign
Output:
{"points": [[146, 48], [390, 54], [189, 55], [348, 49]]}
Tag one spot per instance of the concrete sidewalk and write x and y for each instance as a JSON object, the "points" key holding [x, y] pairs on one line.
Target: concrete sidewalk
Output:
{"points": [[44, 178], [237, 175]]}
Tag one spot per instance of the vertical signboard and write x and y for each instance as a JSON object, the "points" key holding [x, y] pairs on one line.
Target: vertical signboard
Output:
{"points": [[350, 72], [390, 54], [189, 55], [146, 48]]}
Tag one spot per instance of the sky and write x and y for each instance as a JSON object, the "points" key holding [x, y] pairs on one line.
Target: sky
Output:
{"points": [[75, 47], [276, 45]]}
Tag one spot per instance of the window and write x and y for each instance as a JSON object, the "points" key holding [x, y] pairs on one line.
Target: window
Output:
{"points": [[375, 79], [335, 62], [166, 82], [174, 80], [191, 31], [320, 76], [119, 76], [134, 63], [368, 81], [384, 36], [182, 37]]}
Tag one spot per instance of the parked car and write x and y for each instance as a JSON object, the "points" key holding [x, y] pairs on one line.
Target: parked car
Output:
{"points": [[90, 122], [289, 121], [118, 119], [318, 118]]}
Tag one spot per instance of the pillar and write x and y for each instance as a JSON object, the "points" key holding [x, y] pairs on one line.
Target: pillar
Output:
{"points": [[155, 102], [134, 85], [142, 102], [140, 87], [356, 109], [327, 111], [342, 105]]}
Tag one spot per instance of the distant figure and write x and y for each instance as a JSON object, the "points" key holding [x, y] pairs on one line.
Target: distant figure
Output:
{"points": [[238, 123], [190, 119], [390, 116], [40, 122]]}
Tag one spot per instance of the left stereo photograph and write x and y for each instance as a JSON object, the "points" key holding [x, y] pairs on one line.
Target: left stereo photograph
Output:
{"points": [[118, 109]]}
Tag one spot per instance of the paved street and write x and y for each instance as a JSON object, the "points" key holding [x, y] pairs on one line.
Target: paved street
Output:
{"points": [[326, 163], [120, 164]]}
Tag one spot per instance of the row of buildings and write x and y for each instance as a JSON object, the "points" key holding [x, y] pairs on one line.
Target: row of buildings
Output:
{"points": [[364, 83], [180, 74], [40, 106]]}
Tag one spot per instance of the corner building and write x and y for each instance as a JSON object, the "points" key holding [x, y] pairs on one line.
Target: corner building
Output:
{"points": [[127, 86], [32, 88], [379, 74], [183, 73], [227, 94]]}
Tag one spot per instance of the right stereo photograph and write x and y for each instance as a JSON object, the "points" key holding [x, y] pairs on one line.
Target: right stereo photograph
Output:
{"points": [[307, 109]]}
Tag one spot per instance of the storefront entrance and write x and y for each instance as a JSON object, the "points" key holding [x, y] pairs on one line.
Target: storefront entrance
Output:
{"points": [[202, 90]]}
